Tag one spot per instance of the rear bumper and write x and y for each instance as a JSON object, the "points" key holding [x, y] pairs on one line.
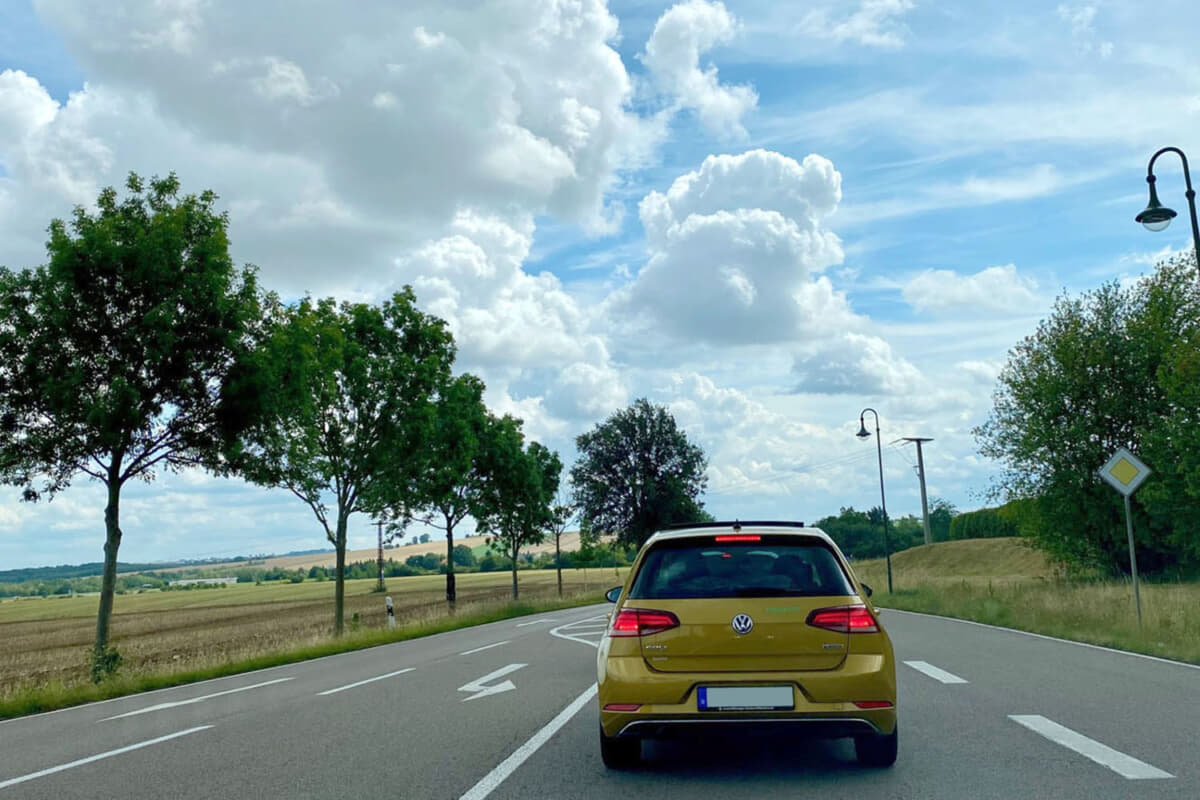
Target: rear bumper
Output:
{"points": [[799, 726], [824, 702]]}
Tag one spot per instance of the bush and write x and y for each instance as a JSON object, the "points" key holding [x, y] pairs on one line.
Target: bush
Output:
{"points": [[986, 523]]}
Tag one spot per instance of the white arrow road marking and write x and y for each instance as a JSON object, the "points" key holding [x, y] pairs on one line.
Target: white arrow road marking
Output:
{"points": [[368, 680], [162, 706], [485, 647], [934, 672], [488, 783], [481, 688], [98, 756], [1105, 756]]}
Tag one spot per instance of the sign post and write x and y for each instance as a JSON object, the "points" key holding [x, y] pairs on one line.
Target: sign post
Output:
{"points": [[1125, 472]]}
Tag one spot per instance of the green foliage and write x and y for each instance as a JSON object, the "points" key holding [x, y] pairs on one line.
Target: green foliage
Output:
{"points": [[941, 516], [859, 534], [463, 556], [116, 356], [105, 661], [340, 397], [517, 508], [449, 475], [1115, 367], [430, 562], [985, 523], [636, 473]]}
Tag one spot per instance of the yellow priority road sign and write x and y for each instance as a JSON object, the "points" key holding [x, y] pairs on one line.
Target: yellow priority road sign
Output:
{"points": [[1125, 471]]}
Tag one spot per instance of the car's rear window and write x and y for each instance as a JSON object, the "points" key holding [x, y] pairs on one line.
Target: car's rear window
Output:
{"points": [[773, 567]]}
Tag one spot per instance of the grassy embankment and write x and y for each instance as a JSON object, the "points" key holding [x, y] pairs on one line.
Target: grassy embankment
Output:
{"points": [[168, 638], [1004, 582]]}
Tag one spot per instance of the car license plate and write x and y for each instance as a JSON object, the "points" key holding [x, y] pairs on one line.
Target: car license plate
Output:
{"points": [[745, 698]]}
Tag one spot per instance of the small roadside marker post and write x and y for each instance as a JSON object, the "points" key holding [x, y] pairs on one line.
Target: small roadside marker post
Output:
{"points": [[391, 613], [1125, 472]]}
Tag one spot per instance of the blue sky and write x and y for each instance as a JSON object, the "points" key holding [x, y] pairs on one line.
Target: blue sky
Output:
{"points": [[765, 216]]}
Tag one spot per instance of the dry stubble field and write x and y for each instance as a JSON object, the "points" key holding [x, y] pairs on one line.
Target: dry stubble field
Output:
{"points": [[45, 641]]}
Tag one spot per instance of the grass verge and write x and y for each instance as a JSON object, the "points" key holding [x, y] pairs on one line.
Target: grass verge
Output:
{"points": [[1100, 612], [55, 696]]}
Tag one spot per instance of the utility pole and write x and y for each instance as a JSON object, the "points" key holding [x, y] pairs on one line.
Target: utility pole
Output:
{"points": [[381, 587], [921, 475]]}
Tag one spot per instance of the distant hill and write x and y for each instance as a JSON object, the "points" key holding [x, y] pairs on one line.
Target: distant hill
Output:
{"points": [[569, 543], [95, 568]]}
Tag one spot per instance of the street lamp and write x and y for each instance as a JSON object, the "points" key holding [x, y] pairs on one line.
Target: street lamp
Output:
{"points": [[863, 433], [1157, 217]]}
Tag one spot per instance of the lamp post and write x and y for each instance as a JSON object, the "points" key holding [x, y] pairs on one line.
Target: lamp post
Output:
{"points": [[1157, 217], [863, 433]]}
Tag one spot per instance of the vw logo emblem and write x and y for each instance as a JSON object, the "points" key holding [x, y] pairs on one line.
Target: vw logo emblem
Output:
{"points": [[742, 624]]}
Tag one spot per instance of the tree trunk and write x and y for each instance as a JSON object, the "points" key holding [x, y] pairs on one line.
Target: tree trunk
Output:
{"points": [[451, 594], [112, 541], [558, 562], [339, 591], [514, 570]]}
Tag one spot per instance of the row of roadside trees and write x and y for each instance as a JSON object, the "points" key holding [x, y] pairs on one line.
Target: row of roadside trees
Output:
{"points": [[140, 348]]}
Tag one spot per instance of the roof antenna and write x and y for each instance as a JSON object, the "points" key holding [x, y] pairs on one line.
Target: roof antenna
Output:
{"points": [[737, 526]]}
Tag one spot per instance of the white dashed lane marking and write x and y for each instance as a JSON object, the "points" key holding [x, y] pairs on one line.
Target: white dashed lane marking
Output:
{"points": [[481, 649], [935, 673], [1105, 756], [99, 756], [177, 703], [363, 683]]}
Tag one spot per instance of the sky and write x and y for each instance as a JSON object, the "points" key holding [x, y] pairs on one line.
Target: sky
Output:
{"points": [[764, 216]]}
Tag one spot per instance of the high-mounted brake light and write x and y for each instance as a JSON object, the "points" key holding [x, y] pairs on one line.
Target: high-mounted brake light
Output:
{"points": [[738, 537], [642, 622], [844, 619]]}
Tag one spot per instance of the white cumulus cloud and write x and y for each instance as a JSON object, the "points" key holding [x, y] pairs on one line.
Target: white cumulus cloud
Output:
{"points": [[681, 36], [999, 288]]}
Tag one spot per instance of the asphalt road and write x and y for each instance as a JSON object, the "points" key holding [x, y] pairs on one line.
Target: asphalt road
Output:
{"points": [[507, 710]]}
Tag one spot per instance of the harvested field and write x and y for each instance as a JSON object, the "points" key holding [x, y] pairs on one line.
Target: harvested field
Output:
{"points": [[173, 632], [569, 543]]}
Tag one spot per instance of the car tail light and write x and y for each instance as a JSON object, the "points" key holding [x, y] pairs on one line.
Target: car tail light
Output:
{"points": [[622, 706], [844, 619], [642, 622], [873, 703], [738, 537]]}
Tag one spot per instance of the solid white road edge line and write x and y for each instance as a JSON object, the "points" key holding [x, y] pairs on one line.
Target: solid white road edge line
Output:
{"points": [[90, 759], [488, 783], [1105, 756], [485, 647], [1044, 636], [534, 622], [934, 672], [190, 701], [368, 680]]}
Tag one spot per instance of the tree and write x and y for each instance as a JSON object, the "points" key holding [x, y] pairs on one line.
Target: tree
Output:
{"points": [[344, 406], [463, 556], [636, 473], [561, 515], [114, 356], [941, 514], [516, 506], [450, 481], [1114, 367]]}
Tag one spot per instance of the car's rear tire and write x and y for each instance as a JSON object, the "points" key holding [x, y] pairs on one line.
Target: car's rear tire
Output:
{"points": [[620, 753], [878, 750]]}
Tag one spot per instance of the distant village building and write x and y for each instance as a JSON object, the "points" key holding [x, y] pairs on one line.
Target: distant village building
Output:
{"points": [[203, 582]]}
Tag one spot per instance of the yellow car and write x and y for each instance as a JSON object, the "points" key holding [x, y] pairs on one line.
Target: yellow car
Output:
{"points": [[759, 624]]}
